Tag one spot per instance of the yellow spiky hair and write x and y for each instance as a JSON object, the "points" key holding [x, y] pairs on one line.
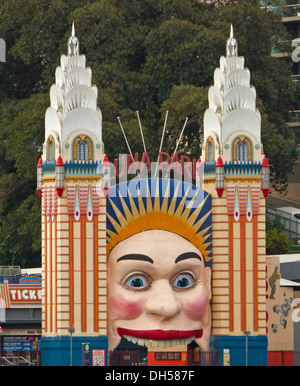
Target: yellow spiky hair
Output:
{"points": [[177, 208]]}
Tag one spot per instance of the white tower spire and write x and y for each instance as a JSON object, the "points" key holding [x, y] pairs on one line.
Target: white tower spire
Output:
{"points": [[73, 98], [73, 43], [232, 112], [232, 46]]}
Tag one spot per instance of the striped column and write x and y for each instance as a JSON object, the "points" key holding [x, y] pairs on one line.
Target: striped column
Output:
{"points": [[74, 260], [246, 258], [220, 266]]}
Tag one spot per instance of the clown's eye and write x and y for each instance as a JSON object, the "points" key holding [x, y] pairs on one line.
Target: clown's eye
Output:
{"points": [[183, 280], [137, 281]]}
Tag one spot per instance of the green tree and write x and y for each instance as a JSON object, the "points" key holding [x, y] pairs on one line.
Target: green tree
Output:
{"points": [[277, 242], [185, 98], [151, 56]]}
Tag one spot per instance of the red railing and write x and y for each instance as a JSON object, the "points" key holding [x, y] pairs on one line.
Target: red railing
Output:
{"points": [[283, 358], [197, 357]]}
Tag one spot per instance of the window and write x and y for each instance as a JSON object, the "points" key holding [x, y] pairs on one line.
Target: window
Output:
{"points": [[242, 150], [82, 149], [210, 154], [50, 149]]}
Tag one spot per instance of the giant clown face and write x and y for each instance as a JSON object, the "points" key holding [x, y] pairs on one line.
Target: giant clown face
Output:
{"points": [[159, 287], [158, 291]]}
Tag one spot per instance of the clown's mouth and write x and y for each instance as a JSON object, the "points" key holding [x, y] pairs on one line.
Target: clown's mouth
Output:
{"points": [[160, 338]]}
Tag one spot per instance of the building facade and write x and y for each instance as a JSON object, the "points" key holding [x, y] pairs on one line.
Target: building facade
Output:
{"points": [[73, 215], [232, 142], [76, 224]]}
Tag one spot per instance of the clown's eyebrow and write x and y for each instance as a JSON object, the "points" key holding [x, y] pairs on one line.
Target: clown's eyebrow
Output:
{"points": [[187, 255], [136, 256]]}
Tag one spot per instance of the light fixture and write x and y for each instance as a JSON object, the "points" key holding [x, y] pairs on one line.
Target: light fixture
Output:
{"points": [[39, 175], [265, 177], [59, 176], [220, 176]]}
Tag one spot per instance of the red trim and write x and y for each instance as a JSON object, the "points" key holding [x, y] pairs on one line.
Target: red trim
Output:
{"points": [[220, 192], [219, 163], [59, 161], [106, 190], [265, 192], [60, 191], [161, 334], [40, 163], [105, 161], [265, 163]]}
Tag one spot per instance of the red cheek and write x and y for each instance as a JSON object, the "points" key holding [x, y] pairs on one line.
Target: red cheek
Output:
{"points": [[123, 308], [197, 307]]}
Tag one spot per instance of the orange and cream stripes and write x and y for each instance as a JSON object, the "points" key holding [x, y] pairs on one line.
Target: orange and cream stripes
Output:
{"points": [[238, 250], [4, 295], [74, 262]]}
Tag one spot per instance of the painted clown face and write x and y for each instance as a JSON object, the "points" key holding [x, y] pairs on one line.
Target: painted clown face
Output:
{"points": [[158, 292]]}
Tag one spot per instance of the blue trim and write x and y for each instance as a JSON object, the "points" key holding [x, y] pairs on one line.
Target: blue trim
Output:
{"points": [[75, 168], [257, 349], [83, 168], [250, 166], [234, 167], [49, 168], [55, 351], [210, 167], [48, 165]]}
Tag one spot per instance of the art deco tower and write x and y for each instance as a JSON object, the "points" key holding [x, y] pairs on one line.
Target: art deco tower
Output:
{"points": [[236, 175], [73, 212]]}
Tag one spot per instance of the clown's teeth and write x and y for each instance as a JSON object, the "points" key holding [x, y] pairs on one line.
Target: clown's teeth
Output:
{"points": [[159, 343]]}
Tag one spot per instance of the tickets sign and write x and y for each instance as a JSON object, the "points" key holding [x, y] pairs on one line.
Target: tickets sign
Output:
{"points": [[21, 295], [27, 292]]}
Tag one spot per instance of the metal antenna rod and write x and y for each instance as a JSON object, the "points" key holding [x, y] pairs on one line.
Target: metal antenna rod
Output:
{"points": [[162, 139], [175, 151], [141, 132], [125, 137], [163, 134], [180, 137], [127, 143]]}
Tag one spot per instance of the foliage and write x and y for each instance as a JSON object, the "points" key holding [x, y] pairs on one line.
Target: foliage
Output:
{"points": [[151, 56], [276, 223], [277, 242]]}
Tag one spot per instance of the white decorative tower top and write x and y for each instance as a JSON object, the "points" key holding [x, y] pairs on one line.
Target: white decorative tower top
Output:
{"points": [[232, 46], [232, 123], [73, 115], [73, 44]]}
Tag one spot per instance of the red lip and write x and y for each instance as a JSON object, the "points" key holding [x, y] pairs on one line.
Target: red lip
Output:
{"points": [[161, 334]]}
